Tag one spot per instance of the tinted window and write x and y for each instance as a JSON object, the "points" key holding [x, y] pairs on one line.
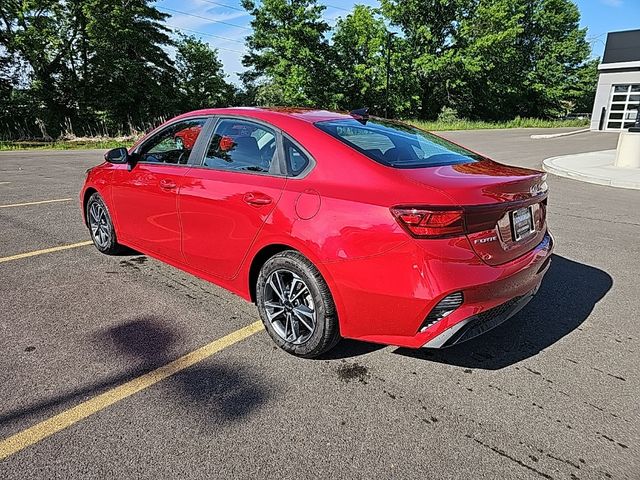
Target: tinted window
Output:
{"points": [[297, 160], [173, 144], [397, 145], [241, 145]]}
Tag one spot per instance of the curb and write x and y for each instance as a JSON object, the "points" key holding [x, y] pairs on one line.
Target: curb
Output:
{"points": [[557, 135], [548, 165]]}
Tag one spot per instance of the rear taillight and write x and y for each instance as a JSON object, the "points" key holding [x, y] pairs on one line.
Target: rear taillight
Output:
{"points": [[423, 222], [442, 222]]}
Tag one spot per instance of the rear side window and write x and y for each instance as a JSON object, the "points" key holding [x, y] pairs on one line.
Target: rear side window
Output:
{"points": [[397, 145], [297, 160], [241, 145]]}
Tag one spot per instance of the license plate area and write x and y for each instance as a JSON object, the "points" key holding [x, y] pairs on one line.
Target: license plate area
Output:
{"points": [[521, 223]]}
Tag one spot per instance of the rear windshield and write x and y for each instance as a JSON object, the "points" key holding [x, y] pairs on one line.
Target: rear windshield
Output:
{"points": [[397, 145]]}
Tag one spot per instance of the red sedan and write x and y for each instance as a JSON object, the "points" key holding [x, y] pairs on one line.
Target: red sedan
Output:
{"points": [[335, 225]]}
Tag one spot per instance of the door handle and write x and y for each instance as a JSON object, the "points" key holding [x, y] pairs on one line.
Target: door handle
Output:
{"points": [[257, 199], [167, 184]]}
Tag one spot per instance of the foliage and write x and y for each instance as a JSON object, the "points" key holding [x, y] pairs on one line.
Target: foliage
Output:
{"points": [[531, 66], [448, 115], [582, 92], [518, 122], [289, 58], [201, 79], [439, 125], [98, 67], [431, 28], [363, 51], [84, 144], [360, 42], [127, 69], [494, 59]]}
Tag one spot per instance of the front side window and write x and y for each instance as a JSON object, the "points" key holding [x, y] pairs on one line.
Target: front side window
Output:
{"points": [[241, 145], [173, 144], [397, 145]]}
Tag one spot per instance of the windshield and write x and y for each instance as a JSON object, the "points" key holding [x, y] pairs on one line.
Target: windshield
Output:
{"points": [[397, 145]]}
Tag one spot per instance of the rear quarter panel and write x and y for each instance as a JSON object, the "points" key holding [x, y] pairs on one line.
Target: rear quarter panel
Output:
{"points": [[339, 216]]}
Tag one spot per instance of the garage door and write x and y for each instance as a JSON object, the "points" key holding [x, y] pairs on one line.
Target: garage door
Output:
{"points": [[622, 107]]}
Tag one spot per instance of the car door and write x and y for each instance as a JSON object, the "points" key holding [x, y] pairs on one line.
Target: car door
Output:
{"points": [[224, 202], [145, 196]]}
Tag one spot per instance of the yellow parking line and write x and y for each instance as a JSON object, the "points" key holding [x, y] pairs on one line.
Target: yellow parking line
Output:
{"points": [[48, 427], [43, 251], [36, 203]]}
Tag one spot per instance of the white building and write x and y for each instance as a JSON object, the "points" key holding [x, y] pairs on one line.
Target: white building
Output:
{"points": [[618, 83]]}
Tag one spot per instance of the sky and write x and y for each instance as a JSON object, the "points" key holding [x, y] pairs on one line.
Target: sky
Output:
{"points": [[224, 23]]}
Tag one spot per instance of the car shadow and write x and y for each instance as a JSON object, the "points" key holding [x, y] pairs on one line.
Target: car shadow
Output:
{"points": [[225, 392], [145, 339], [566, 298], [125, 252], [347, 348], [222, 392]]}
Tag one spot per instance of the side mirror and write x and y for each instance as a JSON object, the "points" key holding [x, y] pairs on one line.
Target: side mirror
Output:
{"points": [[117, 155]]}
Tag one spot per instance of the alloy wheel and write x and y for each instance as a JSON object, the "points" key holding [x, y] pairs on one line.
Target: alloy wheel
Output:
{"points": [[289, 306], [99, 225]]}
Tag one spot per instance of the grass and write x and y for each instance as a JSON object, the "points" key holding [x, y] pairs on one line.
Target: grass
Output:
{"points": [[482, 125], [88, 143], [103, 143]]}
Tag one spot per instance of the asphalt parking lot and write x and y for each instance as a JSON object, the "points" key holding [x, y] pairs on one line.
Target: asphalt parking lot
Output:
{"points": [[553, 393]]}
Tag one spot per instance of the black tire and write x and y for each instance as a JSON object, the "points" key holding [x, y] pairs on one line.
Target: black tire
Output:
{"points": [[312, 342], [104, 238]]}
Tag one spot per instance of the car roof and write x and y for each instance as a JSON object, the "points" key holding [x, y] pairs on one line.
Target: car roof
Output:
{"points": [[273, 113]]}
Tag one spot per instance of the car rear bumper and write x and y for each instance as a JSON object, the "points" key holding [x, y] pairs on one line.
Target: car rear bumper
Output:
{"points": [[480, 323], [386, 299]]}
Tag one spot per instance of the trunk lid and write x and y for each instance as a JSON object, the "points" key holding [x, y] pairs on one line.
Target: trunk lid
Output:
{"points": [[505, 207]]}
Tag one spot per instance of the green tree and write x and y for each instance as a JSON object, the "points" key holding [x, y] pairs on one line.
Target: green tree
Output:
{"points": [[491, 53], [7, 77], [200, 77], [582, 92], [90, 58], [40, 34], [431, 29], [522, 58], [359, 44], [130, 76], [289, 57], [555, 51], [106, 61], [494, 59]]}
